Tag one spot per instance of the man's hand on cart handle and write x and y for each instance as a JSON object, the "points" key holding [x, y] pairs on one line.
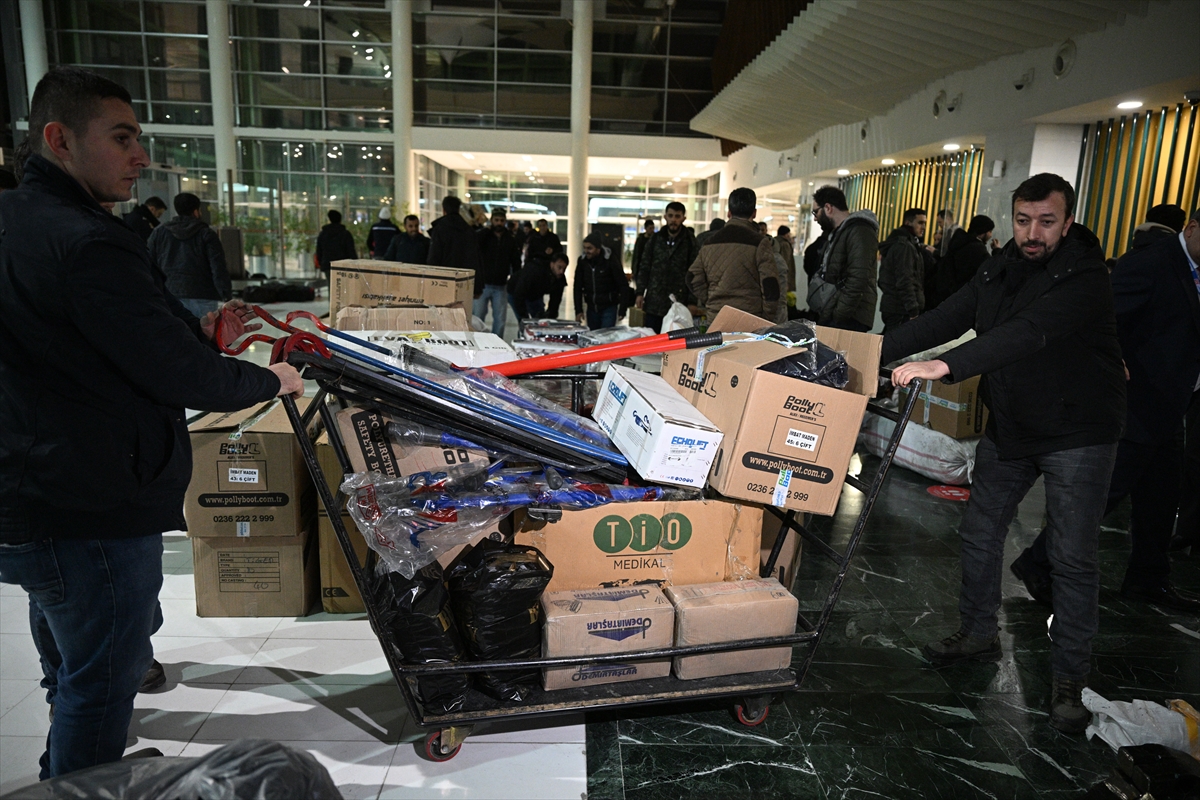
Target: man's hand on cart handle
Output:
{"points": [[290, 381], [235, 320], [925, 370]]}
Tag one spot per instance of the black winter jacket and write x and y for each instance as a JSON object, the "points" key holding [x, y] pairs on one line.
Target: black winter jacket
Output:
{"points": [[599, 281], [98, 363], [408, 249], [902, 274], [500, 255], [142, 220], [190, 254], [539, 244], [1046, 346], [380, 236], [453, 243], [962, 260], [335, 243]]}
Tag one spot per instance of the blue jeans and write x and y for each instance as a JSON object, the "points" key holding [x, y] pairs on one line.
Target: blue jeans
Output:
{"points": [[200, 307], [603, 317], [93, 606], [1076, 489], [498, 297]]}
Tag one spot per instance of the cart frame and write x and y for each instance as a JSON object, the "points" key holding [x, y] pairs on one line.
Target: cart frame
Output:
{"points": [[754, 691]]}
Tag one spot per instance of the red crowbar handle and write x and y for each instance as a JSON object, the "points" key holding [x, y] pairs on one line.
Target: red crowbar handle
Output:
{"points": [[647, 345], [281, 347]]}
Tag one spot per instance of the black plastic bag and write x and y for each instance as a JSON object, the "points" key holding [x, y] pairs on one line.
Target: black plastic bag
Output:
{"points": [[817, 363], [416, 612], [496, 591], [250, 769]]}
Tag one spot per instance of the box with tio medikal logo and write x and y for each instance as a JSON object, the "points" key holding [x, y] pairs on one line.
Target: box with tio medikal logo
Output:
{"points": [[600, 621]]}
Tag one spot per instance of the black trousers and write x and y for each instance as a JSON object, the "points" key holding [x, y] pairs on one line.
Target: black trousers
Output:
{"points": [[1188, 526]]}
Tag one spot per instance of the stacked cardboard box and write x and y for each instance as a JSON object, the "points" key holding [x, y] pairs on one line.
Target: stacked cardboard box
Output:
{"points": [[371, 284], [951, 408]]}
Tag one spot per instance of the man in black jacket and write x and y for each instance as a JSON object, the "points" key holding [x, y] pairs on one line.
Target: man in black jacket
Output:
{"points": [[1048, 352], [536, 281], [334, 243], [902, 271], [191, 256], [599, 283], [381, 234], [452, 241], [98, 364], [1158, 320], [145, 217], [542, 244], [410, 247], [967, 251], [500, 258]]}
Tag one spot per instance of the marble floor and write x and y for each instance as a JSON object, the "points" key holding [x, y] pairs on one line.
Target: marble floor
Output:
{"points": [[871, 721]]}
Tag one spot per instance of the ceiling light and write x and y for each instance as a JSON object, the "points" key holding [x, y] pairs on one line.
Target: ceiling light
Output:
{"points": [[370, 58], [1130, 104], [370, 50], [702, 165], [628, 177], [478, 172], [387, 74], [950, 147], [527, 158], [468, 156], [810, 183], [355, 34], [643, 163], [683, 174], [843, 172], [887, 162], [528, 174], [633, 172]]}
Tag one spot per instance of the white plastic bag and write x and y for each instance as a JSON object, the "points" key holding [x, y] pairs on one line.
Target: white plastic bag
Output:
{"points": [[1121, 724], [924, 451], [677, 318]]}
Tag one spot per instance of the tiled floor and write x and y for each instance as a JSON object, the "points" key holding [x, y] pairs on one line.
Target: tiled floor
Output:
{"points": [[871, 721]]}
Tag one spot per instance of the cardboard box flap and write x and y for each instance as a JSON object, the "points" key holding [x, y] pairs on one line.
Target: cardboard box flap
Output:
{"points": [[404, 318], [376, 267], [667, 402], [221, 421], [731, 319]]}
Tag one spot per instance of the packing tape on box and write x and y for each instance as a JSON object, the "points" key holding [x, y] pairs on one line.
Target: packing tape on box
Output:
{"points": [[931, 399], [249, 423], [749, 337]]}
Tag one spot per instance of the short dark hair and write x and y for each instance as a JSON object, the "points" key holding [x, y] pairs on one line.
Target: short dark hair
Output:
{"points": [[782, 230], [7, 180], [186, 204], [945, 213], [675, 205], [156, 202], [560, 256], [1168, 214], [648, 223], [1041, 186], [716, 224], [526, 224], [742, 203], [335, 216], [980, 223], [910, 216], [830, 195], [71, 96], [540, 221], [451, 204], [412, 216]]}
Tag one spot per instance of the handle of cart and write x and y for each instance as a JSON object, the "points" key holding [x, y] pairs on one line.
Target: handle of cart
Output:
{"points": [[753, 692]]}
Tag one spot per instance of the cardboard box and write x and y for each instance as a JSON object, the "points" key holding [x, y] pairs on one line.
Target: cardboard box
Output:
{"points": [[789, 554], [787, 442], [638, 544], [458, 348], [248, 479], [339, 593], [272, 576], [364, 432], [664, 437], [951, 408], [414, 318], [725, 612], [601, 621], [369, 283]]}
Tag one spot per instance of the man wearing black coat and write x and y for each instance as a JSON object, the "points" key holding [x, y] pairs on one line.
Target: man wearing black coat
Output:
{"points": [[98, 364], [411, 246], [500, 259], [1048, 352], [1156, 290], [599, 283], [967, 251], [190, 254], [535, 282], [452, 242], [334, 243], [381, 234], [144, 218]]}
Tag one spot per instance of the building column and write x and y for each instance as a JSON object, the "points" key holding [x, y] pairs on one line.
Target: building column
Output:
{"points": [[402, 108], [581, 121], [220, 66], [33, 42]]}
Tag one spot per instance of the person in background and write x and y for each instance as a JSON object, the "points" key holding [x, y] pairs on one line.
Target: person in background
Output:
{"points": [[381, 233], [9, 181], [1048, 352], [1163, 221], [145, 217], [411, 246], [842, 292], [663, 270], [190, 254], [714, 225], [599, 284], [785, 246], [639, 245], [500, 258], [968, 250], [946, 226], [537, 280], [518, 233], [813, 253], [95, 342], [452, 242], [542, 244], [738, 265], [334, 243], [902, 271], [1158, 322]]}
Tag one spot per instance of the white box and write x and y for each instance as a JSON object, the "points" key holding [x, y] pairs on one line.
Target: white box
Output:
{"points": [[664, 437], [460, 348]]}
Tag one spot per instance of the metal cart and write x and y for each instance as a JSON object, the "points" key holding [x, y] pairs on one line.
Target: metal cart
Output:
{"points": [[752, 692]]}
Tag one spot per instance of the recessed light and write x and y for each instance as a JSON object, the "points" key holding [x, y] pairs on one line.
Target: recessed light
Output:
{"points": [[843, 172], [527, 158], [478, 172], [643, 163], [468, 156], [950, 147], [702, 165], [887, 162], [1130, 104], [628, 177]]}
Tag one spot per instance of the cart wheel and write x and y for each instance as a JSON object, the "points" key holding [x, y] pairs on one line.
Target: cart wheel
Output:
{"points": [[747, 718], [433, 748]]}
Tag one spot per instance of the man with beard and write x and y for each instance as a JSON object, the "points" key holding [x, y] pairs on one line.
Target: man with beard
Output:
{"points": [[842, 293], [499, 259], [1048, 351], [663, 269]]}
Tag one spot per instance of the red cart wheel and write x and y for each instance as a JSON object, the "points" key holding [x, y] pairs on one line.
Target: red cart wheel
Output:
{"points": [[740, 712], [433, 748]]}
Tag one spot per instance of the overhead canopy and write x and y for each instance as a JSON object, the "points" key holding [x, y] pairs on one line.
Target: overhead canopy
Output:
{"points": [[845, 60]]}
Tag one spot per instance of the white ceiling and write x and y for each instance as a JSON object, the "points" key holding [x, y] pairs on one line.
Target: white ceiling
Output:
{"points": [[546, 166], [841, 61]]}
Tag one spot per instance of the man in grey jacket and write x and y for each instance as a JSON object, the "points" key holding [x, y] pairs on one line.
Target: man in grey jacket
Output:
{"points": [[902, 271], [190, 254], [843, 292]]}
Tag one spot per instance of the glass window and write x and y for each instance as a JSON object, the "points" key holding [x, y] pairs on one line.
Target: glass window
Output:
{"points": [[463, 5], [370, 60], [629, 37], [358, 120], [97, 15], [269, 56], [642, 73], [174, 52], [257, 22], [687, 40], [444, 30], [545, 8], [279, 90], [134, 80], [180, 86], [358, 26], [682, 106], [634, 9], [192, 152], [176, 18], [447, 97], [691, 74], [627, 104], [534, 101], [526, 67], [260, 117], [358, 93], [530, 33], [100, 48], [183, 113], [458, 65]]}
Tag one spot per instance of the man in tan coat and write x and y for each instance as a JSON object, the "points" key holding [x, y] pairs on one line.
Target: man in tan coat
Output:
{"points": [[737, 265]]}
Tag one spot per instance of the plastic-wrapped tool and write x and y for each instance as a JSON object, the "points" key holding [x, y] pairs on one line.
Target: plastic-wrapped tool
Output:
{"points": [[496, 591], [620, 333], [417, 613], [552, 330]]}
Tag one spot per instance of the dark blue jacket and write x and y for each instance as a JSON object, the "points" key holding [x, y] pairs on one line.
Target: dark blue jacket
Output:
{"points": [[97, 365], [408, 249]]}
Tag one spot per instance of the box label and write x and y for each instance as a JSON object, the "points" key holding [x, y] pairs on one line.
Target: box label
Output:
{"points": [[243, 529], [802, 439], [243, 475], [781, 488], [248, 571], [618, 630]]}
